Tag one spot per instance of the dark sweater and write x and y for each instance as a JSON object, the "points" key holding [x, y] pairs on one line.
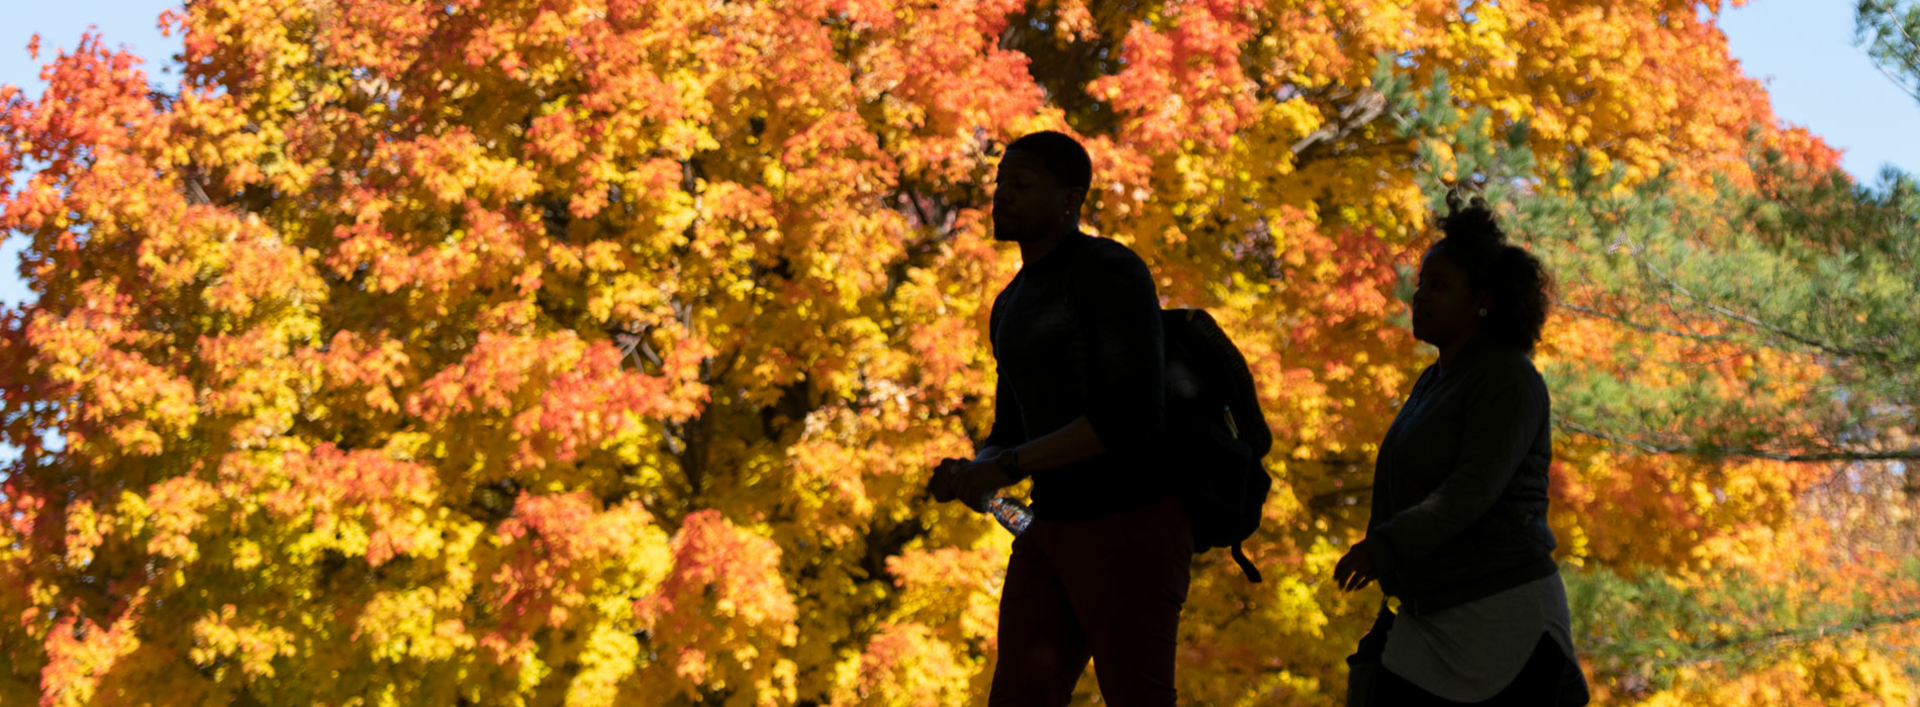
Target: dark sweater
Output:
{"points": [[1460, 486], [1078, 333]]}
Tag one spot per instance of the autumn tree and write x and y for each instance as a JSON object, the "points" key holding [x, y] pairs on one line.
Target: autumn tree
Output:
{"points": [[596, 351]]}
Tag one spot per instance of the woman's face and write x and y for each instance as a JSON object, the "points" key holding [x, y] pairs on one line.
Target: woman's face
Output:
{"points": [[1446, 311]]}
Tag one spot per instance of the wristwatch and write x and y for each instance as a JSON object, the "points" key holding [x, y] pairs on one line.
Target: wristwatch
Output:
{"points": [[1009, 460]]}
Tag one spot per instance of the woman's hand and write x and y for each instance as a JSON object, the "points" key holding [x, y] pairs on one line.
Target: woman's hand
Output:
{"points": [[1355, 570]]}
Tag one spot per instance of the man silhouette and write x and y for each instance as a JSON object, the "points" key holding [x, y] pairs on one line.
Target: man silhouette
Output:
{"points": [[1102, 571]]}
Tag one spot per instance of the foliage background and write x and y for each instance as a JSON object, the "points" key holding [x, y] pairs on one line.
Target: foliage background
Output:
{"points": [[596, 351]]}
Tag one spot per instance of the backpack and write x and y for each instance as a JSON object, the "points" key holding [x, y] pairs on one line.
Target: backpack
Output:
{"points": [[1216, 430]]}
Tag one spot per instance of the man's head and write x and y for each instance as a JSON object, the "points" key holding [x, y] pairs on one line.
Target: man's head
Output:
{"points": [[1042, 182]]}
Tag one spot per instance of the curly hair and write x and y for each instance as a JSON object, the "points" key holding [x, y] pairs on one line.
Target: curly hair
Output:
{"points": [[1521, 288]]}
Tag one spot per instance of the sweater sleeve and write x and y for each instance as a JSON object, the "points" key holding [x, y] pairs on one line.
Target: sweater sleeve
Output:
{"points": [[1009, 429], [1506, 413]]}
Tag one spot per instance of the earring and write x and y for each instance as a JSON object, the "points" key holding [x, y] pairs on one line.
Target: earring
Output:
{"points": [[1483, 311]]}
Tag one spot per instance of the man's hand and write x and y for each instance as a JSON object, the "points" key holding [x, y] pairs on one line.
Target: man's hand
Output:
{"points": [[975, 479], [1355, 570], [942, 484], [966, 480]]}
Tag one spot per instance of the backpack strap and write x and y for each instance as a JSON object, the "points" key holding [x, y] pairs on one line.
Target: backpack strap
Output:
{"points": [[1246, 565]]}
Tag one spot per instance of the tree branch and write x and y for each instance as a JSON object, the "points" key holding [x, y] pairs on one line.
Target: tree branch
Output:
{"points": [[1735, 451], [1894, 21], [1363, 110], [1637, 325], [1798, 635], [1755, 322]]}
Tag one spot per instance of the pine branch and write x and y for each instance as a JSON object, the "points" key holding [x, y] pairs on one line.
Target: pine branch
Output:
{"points": [[1801, 635], [1894, 21], [1649, 328], [1777, 330], [1738, 452], [1770, 639], [1913, 91]]}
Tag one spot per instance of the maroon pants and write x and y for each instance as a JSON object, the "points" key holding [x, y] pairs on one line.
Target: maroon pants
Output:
{"points": [[1109, 589]]}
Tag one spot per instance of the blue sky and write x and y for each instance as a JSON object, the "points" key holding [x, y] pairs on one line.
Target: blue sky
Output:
{"points": [[1802, 49]]}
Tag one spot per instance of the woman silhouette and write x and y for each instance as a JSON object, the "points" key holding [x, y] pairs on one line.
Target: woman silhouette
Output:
{"points": [[1459, 531]]}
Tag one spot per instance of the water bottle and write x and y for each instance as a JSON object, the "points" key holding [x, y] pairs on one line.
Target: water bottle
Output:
{"points": [[1012, 514]]}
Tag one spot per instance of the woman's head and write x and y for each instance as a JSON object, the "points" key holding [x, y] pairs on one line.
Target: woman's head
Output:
{"points": [[1473, 283]]}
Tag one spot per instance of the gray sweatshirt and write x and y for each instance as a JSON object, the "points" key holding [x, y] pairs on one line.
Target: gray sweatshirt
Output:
{"points": [[1460, 484]]}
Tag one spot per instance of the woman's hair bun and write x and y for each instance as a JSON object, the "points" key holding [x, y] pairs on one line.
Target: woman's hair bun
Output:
{"points": [[1469, 222]]}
